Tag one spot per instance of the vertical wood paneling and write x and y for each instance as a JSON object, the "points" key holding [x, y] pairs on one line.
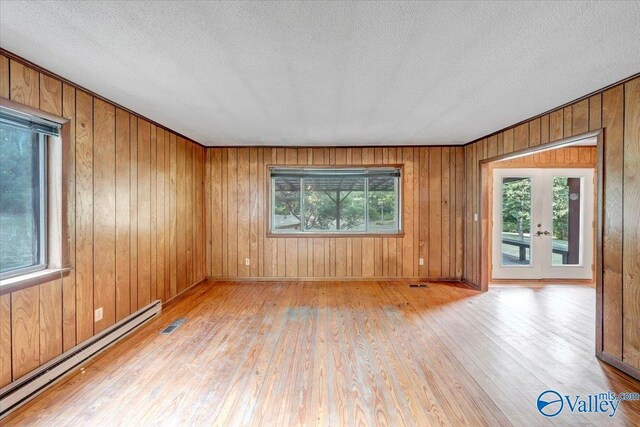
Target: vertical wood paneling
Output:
{"points": [[243, 212], [144, 213], [153, 267], [84, 216], [631, 236], [50, 95], [69, 282], [580, 117], [4, 76], [104, 218], [122, 234], [25, 84], [50, 320], [5, 339], [237, 199], [133, 218], [613, 120], [159, 209], [121, 181], [435, 212], [173, 202], [25, 330]]}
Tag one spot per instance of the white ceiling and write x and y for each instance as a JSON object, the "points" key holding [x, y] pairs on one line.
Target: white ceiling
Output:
{"points": [[311, 73]]}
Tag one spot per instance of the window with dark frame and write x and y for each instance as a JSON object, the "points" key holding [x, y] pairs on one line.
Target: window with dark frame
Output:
{"points": [[335, 200], [23, 192]]}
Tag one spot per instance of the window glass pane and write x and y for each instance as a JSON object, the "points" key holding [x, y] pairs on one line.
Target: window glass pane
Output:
{"points": [[334, 203], [566, 221], [20, 199], [516, 221], [335, 200], [20, 210], [382, 204], [286, 204]]}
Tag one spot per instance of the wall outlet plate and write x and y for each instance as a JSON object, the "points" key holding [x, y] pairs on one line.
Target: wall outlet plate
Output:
{"points": [[421, 261], [98, 315], [247, 261]]}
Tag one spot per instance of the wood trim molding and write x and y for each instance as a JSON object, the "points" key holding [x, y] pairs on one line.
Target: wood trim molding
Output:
{"points": [[483, 191], [267, 182], [342, 279], [24, 281], [616, 363]]}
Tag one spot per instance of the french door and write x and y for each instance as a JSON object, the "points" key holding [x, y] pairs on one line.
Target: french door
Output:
{"points": [[542, 224]]}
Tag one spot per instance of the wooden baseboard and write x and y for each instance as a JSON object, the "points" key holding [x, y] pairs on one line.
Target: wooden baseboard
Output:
{"points": [[179, 295], [619, 364], [336, 279]]}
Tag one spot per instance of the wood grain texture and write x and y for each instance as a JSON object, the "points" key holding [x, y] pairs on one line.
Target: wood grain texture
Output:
{"points": [[84, 216], [104, 220], [50, 95], [631, 235], [25, 84], [613, 121], [105, 214], [431, 176], [328, 353], [4, 77], [69, 338], [5, 339], [25, 331]]}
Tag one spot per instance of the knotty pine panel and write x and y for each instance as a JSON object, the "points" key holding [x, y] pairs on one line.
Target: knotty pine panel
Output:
{"points": [[123, 192]]}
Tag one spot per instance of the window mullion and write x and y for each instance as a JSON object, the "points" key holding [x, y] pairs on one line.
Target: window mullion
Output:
{"points": [[366, 204], [301, 196]]}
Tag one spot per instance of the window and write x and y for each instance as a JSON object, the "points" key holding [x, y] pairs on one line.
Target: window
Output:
{"points": [[346, 200], [23, 192]]}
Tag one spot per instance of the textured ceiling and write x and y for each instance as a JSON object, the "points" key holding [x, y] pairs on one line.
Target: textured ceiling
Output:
{"points": [[311, 73]]}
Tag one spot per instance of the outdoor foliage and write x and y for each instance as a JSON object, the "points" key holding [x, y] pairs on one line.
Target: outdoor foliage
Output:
{"points": [[516, 207], [18, 152], [19, 184], [333, 210]]}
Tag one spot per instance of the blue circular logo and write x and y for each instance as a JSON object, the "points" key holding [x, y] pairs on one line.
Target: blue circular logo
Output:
{"points": [[550, 403]]}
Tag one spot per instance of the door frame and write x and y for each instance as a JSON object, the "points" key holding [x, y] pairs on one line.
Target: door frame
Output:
{"points": [[485, 183], [539, 200]]}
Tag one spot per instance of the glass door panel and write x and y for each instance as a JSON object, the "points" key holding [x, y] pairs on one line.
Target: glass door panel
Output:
{"points": [[516, 221], [567, 220]]}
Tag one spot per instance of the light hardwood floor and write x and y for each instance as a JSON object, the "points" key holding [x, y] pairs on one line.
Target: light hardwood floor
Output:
{"points": [[330, 353]]}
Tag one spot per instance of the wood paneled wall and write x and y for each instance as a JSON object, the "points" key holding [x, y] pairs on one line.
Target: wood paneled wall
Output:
{"points": [[136, 223], [238, 219], [617, 111]]}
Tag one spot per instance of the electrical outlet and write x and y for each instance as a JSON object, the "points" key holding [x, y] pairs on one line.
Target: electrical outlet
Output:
{"points": [[98, 314], [247, 261], [475, 217], [421, 261]]}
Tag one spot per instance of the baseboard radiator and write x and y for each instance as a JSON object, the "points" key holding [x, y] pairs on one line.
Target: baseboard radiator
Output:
{"points": [[29, 386]]}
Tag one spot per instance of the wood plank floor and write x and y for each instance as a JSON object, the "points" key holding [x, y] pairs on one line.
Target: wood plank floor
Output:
{"points": [[367, 353]]}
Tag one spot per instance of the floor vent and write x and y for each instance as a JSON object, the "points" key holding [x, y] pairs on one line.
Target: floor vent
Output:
{"points": [[418, 285], [173, 326]]}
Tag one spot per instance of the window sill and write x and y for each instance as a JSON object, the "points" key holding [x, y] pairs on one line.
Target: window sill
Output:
{"points": [[28, 280], [333, 235]]}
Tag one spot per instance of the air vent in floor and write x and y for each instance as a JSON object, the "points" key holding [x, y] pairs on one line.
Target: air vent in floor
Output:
{"points": [[418, 285], [173, 326]]}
